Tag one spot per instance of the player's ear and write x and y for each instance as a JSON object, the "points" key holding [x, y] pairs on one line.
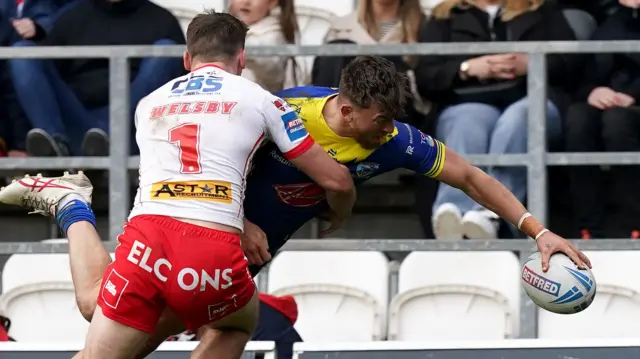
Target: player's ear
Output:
{"points": [[186, 61], [346, 111], [242, 61]]}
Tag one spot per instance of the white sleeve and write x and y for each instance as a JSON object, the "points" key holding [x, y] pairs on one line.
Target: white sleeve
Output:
{"points": [[285, 128]]}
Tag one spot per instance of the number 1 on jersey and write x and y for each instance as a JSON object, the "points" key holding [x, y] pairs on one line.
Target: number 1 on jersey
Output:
{"points": [[187, 138]]}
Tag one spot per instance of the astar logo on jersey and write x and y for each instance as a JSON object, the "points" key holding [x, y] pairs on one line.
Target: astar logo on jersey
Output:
{"points": [[190, 108], [213, 191], [300, 194], [294, 126], [112, 289]]}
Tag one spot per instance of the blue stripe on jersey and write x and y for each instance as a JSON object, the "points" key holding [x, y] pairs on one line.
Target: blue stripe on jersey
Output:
{"points": [[307, 91]]}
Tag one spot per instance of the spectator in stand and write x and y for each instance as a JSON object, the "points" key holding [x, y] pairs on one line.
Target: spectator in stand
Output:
{"points": [[483, 98], [377, 22], [599, 9], [71, 114], [607, 118], [21, 20], [271, 22]]}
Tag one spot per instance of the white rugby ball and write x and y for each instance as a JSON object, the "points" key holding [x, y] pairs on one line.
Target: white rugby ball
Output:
{"points": [[563, 289]]}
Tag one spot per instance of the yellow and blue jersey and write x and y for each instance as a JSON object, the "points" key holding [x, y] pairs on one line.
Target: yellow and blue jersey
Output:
{"points": [[280, 198]]}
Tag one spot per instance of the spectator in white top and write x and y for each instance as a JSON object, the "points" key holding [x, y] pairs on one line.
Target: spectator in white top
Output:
{"points": [[271, 22], [377, 22]]}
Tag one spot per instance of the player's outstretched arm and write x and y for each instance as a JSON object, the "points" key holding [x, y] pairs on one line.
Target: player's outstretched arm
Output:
{"points": [[331, 176], [491, 194]]}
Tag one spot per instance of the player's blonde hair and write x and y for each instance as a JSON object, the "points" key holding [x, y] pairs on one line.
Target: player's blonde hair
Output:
{"points": [[510, 10]]}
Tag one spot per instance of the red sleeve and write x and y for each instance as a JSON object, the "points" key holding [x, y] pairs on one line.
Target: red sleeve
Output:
{"points": [[301, 148]]}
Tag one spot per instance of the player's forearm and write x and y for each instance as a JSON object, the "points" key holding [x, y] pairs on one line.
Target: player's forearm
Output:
{"points": [[342, 202], [491, 194]]}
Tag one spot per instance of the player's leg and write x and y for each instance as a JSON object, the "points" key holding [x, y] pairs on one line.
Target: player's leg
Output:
{"points": [[168, 325], [109, 339], [88, 260], [227, 338], [130, 299], [68, 198], [211, 286]]}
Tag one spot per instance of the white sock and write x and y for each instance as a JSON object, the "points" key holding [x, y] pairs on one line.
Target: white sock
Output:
{"points": [[64, 201]]}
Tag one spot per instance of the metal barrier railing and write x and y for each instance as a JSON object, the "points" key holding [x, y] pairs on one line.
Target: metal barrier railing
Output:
{"points": [[535, 160]]}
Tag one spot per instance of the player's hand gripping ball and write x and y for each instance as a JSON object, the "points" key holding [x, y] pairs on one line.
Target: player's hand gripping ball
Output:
{"points": [[563, 289]]}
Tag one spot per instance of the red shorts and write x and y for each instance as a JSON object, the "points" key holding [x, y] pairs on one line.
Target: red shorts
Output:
{"points": [[200, 273]]}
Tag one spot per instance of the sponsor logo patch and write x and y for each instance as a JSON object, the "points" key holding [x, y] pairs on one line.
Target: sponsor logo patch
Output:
{"points": [[541, 283], [113, 288], [213, 191], [294, 126]]}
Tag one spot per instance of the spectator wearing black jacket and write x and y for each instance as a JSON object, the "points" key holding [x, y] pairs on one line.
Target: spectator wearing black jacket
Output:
{"points": [[484, 98], [607, 118], [67, 100]]}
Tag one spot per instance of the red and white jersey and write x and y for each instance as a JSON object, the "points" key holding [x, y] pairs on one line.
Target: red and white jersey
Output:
{"points": [[197, 135]]}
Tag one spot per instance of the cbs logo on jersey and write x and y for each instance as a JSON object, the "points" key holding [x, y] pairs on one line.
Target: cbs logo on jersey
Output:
{"points": [[213, 191]]}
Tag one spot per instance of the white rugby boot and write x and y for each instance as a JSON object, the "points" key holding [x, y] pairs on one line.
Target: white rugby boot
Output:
{"points": [[42, 194], [447, 222], [480, 224]]}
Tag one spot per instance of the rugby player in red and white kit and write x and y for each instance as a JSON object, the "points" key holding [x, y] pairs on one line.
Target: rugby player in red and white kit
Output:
{"points": [[181, 246]]}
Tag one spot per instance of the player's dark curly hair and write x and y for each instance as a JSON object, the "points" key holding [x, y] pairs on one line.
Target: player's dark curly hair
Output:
{"points": [[369, 80]]}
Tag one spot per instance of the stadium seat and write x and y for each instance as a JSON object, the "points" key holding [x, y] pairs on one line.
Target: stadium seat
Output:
{"points": [[186, 10], [456, 295], [195, 5], [337, 8], [615, 311], [341, 296], [38, 297], [581, 22]]}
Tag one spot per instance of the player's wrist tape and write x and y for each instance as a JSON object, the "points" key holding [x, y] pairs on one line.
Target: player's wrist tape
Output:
{"points": [[524, 216], [543, 231], [530, 226]]}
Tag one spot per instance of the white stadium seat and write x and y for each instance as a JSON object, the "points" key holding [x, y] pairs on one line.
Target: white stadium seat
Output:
{"points": [[456, 295], [195, 5], [38, 297], [615, 311], [341, 296], [338, 8], [186, 10]]}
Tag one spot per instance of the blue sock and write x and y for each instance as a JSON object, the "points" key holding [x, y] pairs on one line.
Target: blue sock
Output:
{"points": [[72, 212]]}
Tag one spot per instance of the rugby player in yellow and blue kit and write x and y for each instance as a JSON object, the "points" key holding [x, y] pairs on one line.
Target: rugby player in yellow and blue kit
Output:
{"points": [[355, 125]]}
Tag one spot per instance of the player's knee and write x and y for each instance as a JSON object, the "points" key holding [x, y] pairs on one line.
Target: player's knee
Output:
{"points": [[86, 305]]}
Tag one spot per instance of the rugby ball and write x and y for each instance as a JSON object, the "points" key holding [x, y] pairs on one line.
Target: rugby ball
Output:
{"points": [[563, 289]]}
